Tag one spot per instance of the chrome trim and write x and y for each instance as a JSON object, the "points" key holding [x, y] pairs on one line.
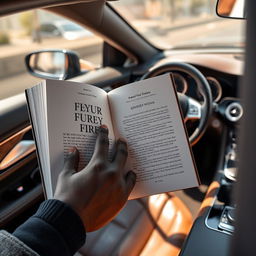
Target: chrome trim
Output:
{"points": [[184, 82], [19, 133], [21, 150], [229, 109], [217, 85], [8, 144], [194, 110]]}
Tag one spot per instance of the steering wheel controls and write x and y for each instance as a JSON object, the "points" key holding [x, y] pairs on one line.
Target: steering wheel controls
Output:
{"points": [[194, 110]]}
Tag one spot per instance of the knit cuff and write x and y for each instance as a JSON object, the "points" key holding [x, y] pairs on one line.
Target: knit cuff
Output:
{"points": [[65, 220]]}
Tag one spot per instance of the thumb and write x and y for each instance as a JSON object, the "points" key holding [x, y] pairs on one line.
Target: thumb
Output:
{"points": [[71, 162], [130, 179]]}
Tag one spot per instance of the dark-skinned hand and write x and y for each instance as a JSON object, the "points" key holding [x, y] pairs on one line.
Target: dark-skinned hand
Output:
{"points": [[100, 190]]}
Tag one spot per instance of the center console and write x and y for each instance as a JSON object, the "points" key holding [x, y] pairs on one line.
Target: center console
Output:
{"points": [[221, 216], [213, 229]]}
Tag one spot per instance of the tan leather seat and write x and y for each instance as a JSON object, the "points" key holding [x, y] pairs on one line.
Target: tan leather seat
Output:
{"points": [[156, 225]]}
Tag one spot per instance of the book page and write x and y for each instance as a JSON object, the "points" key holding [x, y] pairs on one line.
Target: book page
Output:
{"points": [[147, 114], [36, 101], [74, 112]]}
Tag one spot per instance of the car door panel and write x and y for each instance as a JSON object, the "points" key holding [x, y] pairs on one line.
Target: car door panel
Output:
{"points": [[20, 184]]}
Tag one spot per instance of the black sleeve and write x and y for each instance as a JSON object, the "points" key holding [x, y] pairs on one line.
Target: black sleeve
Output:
{"points": [[55, 229]]}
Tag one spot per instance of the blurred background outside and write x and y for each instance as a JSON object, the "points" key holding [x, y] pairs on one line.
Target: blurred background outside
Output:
{"points": [[165, 23]]}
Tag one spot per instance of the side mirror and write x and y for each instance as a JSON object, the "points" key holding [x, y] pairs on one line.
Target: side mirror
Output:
{"points": [[53, 64], [231, 9], [56, 32]]}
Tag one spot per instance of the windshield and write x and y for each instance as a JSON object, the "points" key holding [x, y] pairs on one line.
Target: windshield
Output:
{"points": [[181, 23]]}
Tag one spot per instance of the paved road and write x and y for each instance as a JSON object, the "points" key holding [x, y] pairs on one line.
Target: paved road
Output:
{"points": [[216, 32], [213, 32]]}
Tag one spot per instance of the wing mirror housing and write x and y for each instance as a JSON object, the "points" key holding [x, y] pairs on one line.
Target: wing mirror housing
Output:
{"points": [[53, 64], [235, 9]]}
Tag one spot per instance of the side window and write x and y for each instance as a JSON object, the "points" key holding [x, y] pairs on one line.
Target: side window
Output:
{"points": [[29, 31]]}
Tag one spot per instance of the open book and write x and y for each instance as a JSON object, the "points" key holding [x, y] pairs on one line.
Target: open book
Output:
{"points": [[66, 114]]}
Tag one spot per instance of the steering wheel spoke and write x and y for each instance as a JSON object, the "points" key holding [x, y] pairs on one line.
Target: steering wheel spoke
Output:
{"points": [[194, 111]]}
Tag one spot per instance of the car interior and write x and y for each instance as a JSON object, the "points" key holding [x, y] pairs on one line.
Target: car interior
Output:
{"points": [[196, 221]]}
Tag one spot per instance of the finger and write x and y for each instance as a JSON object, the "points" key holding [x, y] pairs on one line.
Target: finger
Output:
{"points": [[71, 162], [121, 153], [130, 179], [102, 144]]}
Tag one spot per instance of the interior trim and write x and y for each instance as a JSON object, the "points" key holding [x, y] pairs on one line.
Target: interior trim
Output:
{"points": [[21, 150], [9, 143], [20, 205], [225, 63], [209, 198], [14, 169]]}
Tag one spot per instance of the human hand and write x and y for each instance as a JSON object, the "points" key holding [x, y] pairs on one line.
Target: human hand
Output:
{"points": [[99, 191]]}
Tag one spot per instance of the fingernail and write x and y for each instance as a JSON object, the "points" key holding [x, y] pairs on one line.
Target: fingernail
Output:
{"points": [[72, 150], [103, 128], [122, 141]]}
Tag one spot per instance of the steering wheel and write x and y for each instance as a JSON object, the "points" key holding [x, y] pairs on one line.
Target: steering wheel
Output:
{"points": [[191, 108]]}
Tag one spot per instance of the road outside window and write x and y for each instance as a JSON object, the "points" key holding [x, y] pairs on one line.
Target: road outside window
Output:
{"points": [[181, 23]]}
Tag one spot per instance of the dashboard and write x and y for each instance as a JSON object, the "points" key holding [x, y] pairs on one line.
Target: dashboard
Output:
{"points": [[223, 71], [182, 81], [222, 68]]}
